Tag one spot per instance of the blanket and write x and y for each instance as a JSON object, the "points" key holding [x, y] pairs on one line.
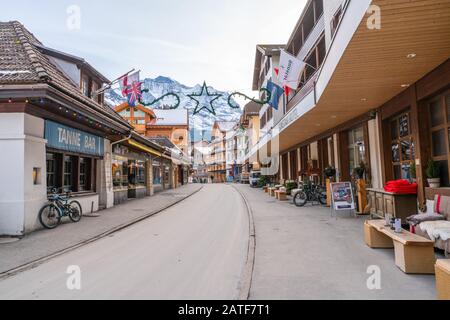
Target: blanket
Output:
{"points": [[433, 229], [401, 187], [424, 217]]}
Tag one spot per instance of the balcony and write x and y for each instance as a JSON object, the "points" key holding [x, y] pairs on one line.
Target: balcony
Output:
{"points": [[312, 38]]}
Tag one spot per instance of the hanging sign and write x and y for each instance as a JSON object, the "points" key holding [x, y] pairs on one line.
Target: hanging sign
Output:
{"points": [[342, 196], [69, 139]]}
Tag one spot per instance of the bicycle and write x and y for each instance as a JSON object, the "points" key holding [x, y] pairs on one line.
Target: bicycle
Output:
{"points": [[58, 207], [310, 193]]}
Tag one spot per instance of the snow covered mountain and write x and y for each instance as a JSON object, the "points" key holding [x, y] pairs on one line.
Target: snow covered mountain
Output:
{"points": [[200, 124]]}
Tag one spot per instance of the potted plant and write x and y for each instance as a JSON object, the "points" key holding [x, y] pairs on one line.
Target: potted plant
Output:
{"points": [[330, 172], [291, 186], [263, 181], [433, 174], [359, 172]]}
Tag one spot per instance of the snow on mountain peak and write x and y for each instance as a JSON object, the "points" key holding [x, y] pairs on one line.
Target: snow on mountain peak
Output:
{"points": [[200, 124]]}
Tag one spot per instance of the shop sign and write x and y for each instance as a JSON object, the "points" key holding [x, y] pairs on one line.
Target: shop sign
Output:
{"points": [[69, 139]]}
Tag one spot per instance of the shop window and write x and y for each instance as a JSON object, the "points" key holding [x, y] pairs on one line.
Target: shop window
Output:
{"points": [[357, 148], [68, 173], [439, 112], [85, 169], [402, 146], [140, 165], [438, 142], [436, 113], [51, 172]]}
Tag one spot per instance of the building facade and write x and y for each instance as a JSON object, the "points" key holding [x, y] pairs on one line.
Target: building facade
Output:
{"points": [[58, 135], [374, 93]]}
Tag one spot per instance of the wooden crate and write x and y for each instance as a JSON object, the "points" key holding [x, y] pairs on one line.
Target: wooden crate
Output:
{"points": [[443, 279], [376, 239]]}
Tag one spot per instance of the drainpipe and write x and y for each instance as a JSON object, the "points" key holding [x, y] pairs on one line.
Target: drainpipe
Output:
{"points": [[123, 140]]}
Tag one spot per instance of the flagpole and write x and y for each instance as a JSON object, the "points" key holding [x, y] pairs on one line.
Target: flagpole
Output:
{"points": [[109, 85]]}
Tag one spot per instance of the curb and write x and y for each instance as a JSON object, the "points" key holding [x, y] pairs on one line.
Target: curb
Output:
{"points": [[246, 281], [35, 263]]}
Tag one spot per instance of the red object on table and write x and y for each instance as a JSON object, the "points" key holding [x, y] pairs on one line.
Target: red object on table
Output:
{"points": [[401, 187]]}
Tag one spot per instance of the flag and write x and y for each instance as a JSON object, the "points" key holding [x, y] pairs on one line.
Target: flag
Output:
{"points": [[131, 88], [290, 69], [276, 93], [286, 88], [134, 94]]}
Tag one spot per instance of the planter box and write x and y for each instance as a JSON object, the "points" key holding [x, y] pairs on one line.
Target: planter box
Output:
{"points": [[443, 279]]}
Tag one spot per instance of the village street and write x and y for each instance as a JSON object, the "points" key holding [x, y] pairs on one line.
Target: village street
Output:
{"points": [[198, 249]]}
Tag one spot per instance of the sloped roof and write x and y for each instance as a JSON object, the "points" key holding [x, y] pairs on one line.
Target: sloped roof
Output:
{"points": [[23, 62], [162, 141], [225, 126]]}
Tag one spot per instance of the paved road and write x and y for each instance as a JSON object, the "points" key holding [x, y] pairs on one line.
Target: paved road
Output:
{"points": [[195, 250]]}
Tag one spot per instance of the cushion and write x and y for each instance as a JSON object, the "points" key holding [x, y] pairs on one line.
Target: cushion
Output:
{"points": [[423, 217], [442, 205]]}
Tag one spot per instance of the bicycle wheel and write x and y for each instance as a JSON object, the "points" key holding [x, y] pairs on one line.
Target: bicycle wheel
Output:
{"points": [[300, 199], [50, 216], [75, 211], [322, 198]]}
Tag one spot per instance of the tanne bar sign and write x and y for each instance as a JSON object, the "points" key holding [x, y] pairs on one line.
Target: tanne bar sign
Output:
{"points": [[65, 138]]}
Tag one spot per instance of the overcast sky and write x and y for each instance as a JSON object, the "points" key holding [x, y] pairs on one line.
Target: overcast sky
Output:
{"points": [[187, 40]]}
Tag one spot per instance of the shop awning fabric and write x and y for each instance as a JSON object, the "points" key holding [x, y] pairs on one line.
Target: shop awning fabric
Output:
{"points": [[146, 149]]}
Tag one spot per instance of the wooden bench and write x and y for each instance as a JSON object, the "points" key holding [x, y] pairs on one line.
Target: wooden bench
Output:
{"points": [[443, 279], [281, 195], [413, 253]]}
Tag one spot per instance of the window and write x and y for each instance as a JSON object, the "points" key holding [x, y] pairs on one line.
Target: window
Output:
{"points": [[357, 148], [69, 173], [402, 146], [85, 86], [85, 174], [439, 112], [335, 21], [51, 172]]}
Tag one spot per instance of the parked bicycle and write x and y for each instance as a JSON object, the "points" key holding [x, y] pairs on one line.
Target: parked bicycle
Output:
{"points": [[58, 207], [310, 192]]}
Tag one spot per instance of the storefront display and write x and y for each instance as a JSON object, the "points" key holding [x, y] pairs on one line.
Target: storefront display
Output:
{"points": [[71, 158], [129, 173]]}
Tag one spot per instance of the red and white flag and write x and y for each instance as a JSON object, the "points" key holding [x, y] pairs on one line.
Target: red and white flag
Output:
{"points": [[290, 70], [127, 81], [131, 88]]}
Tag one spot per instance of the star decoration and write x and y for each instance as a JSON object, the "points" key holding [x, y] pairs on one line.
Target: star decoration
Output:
{"points": [[201, 103]]}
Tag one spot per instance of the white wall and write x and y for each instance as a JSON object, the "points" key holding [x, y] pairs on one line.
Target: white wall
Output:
{"points": [[35, 195], [329, 10], [23, 148]]}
